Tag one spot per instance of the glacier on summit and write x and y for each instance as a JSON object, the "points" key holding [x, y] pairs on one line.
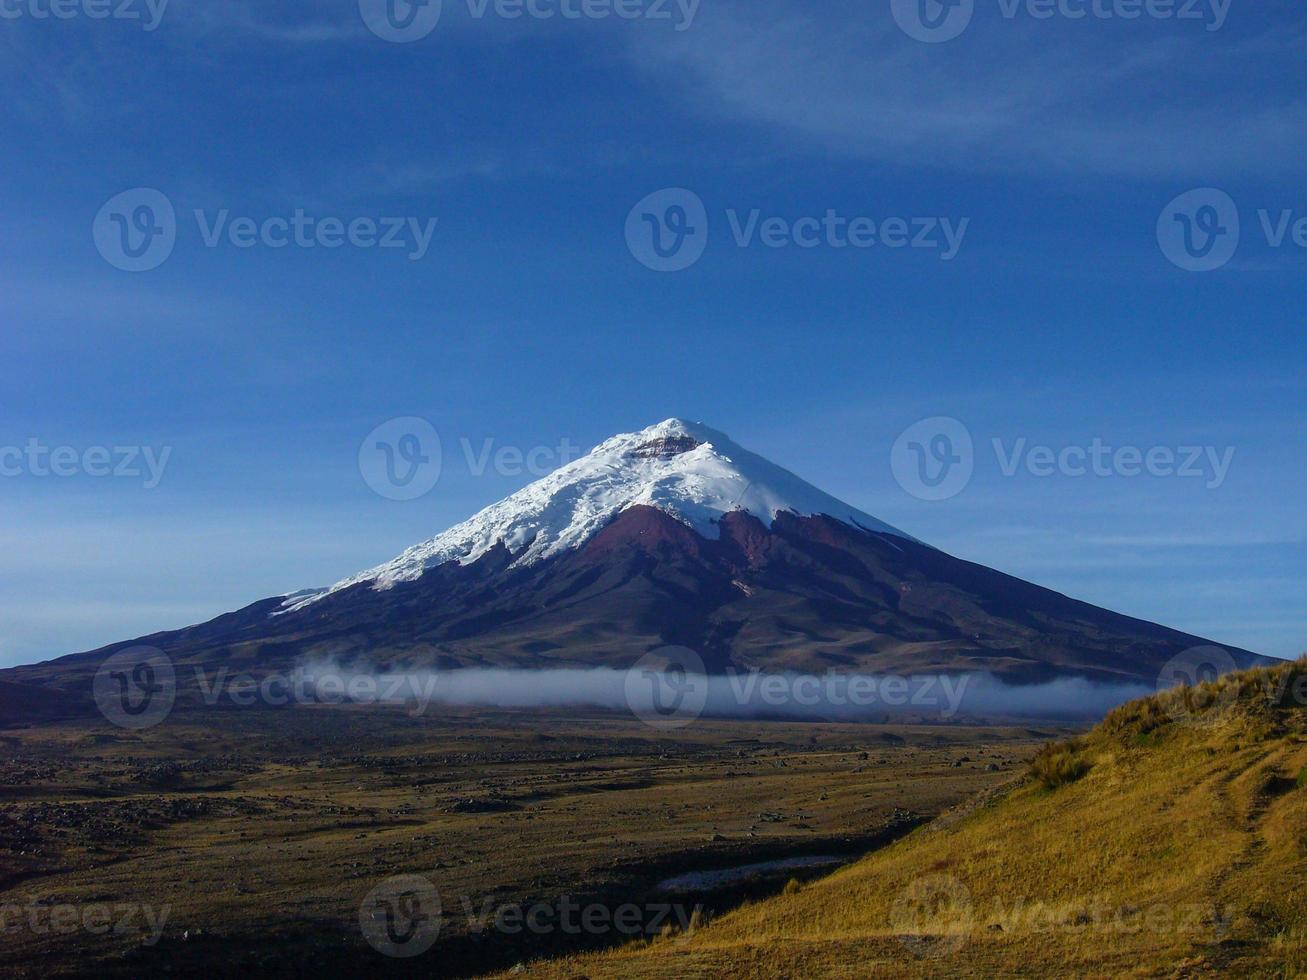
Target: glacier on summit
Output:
{"points": [[685, 469]]}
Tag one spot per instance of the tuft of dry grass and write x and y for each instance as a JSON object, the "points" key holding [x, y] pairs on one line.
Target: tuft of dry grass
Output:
{"points": [[1059, 764]]}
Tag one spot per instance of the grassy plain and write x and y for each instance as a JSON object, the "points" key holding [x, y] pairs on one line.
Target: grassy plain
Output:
{"points": [[247, 839]]}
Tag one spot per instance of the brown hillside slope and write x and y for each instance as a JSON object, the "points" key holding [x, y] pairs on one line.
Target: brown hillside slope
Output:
{"points": [[1171, 841]]}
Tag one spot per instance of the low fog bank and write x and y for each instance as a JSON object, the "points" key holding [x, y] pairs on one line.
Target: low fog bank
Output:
{"points": [[669, 697]]}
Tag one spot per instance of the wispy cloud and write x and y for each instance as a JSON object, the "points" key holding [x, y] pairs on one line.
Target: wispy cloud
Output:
{"points": [[279, 22], [1228, 538], [1008, 96]]}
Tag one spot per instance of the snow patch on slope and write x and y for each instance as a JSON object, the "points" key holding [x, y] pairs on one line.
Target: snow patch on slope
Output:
{"points": [[686, 469]]}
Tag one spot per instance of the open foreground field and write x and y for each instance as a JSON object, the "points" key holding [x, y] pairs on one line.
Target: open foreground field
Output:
{"points": [[1169, 842], [259, 842]]}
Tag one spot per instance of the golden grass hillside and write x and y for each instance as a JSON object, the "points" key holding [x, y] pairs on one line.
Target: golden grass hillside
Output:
{"points": [[1171, 841]]}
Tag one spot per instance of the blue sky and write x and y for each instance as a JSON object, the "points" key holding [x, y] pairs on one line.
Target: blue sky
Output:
{"points": [[1060, 320]]}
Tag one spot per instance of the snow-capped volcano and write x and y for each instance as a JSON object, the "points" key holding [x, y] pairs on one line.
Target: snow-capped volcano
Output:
{"points": [[676, 536], [684, 469]]}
